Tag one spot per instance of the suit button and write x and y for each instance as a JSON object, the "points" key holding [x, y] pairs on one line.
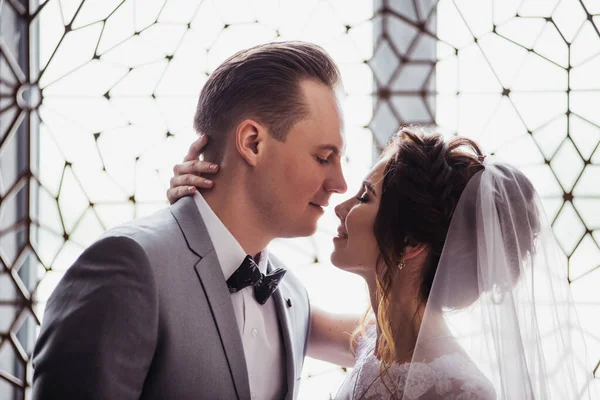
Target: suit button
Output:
{"points": [[254, 332]]}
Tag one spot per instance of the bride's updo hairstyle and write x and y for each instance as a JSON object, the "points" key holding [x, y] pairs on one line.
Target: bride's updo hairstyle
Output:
{"points": [[422, 184]]}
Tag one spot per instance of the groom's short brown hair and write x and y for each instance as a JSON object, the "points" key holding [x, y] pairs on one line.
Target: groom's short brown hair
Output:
{"points": [[263, 83]]}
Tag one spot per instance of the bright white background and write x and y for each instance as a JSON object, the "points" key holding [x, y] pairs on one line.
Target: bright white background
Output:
{"points": [[120, 91]]}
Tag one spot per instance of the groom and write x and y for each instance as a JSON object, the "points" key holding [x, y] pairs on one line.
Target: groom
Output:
{"points": [[187, 303]]}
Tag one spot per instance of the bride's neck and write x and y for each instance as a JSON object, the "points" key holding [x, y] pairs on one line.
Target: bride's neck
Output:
{"points": [[407, 316]]}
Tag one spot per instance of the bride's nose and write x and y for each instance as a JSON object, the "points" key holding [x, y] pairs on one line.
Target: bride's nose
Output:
{"points": [[341, 210]]}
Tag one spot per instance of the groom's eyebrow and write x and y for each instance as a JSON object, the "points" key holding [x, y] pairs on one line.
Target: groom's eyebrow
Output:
{"points": [[331, 147]]}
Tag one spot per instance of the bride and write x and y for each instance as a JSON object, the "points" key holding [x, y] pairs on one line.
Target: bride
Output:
{"points": [[468, 288]]}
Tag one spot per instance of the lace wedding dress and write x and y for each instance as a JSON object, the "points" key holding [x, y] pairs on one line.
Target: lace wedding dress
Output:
{"points": [[451, 376]]}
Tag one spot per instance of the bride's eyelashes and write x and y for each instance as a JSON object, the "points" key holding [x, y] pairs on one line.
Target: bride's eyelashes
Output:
{"points": [[363, 197]]}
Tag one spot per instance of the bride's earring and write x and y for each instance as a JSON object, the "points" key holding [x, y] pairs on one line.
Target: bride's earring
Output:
{"points": [[401, 265]]}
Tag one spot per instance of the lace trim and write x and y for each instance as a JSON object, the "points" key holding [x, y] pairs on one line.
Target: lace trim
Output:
{"points": [[451, 376]]}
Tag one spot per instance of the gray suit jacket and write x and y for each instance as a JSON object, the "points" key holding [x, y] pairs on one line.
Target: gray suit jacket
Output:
{"points": [[145, 313]]}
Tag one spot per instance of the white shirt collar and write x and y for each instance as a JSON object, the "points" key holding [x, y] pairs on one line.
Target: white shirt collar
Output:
{"points": [[229, 252]]}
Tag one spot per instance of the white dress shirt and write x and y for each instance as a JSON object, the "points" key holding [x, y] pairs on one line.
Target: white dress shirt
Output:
{"points": [[258, 325]]}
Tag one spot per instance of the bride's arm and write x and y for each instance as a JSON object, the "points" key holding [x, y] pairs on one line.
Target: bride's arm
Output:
{"points": [[330, 336]]}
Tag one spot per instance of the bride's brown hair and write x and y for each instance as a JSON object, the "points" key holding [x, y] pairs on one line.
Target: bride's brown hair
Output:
{"points": [[422, 184]]}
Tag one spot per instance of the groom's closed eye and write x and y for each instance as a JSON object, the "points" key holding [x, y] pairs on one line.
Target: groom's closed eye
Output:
{"points": [[322, 160], [327, 154]]}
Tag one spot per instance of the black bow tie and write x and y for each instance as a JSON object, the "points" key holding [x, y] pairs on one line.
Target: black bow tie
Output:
{"points": [[249, 274]]}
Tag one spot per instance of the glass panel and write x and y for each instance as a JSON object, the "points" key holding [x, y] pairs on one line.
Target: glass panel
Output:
{"points": [[521, 151], [94, 11], [446, 72], [551, 135], [497, 51], [588, 207], [567, 165], [503, 126], [585, 294], [538, 73], [412, 77], [584, 104], [451, 28], [52, 20], [384, 123], [76, 49], [537, 8], [569, 16], [588, 184], [406, 8], [551, 45], [540, 108], [384, 62], [402, 34], [413, 109], [586, 44], [475, 73], [477, 16], [592, 6], [585, 76], [586, 136], [568, 228], [523, 31]]}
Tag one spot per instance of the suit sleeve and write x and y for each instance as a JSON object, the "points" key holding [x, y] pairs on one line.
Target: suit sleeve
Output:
{"points": [[100, 326]]}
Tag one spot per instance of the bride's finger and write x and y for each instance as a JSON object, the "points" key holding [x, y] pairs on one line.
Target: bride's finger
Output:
{"points": [[190, 180], [174, 194], [185, 185], [196, 167], [196, 148]]}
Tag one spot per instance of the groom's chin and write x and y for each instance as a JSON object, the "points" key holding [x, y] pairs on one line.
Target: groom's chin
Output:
{"points": [[302, 229]]}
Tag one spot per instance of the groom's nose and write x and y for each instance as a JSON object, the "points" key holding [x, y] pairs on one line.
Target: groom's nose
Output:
{"points": [[336, 182]]}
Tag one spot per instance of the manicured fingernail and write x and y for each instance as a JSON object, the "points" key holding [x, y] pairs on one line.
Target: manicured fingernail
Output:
{"points": [[213, 167], [191, 188], [208, 182]]}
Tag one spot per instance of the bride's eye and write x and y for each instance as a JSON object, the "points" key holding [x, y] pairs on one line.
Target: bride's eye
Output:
{"points": [[363, 197]]}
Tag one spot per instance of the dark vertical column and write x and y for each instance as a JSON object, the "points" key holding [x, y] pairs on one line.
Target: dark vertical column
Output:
{"points": [[403, 65], [19, 98]]}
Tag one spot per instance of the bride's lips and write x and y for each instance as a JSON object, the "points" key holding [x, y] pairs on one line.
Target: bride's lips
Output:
{"points": [[341, 234]]}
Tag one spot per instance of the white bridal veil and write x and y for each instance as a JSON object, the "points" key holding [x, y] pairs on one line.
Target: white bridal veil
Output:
{"points": [[501, 299]]}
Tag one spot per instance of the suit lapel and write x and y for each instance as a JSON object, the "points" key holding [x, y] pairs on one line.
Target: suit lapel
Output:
{"points": [[211, 278], [284, 317], [190, 222]]}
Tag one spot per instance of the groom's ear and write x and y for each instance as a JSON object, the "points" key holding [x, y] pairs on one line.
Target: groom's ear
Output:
{"points": [[250, 137]]}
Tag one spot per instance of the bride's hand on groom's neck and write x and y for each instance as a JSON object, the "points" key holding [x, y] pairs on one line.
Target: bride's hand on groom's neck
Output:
{"points": [[188, 176]]}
